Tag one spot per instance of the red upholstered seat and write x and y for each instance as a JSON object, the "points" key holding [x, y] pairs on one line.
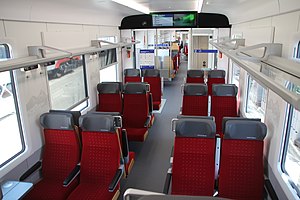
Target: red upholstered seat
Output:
{"points": [[241, 164], [152, 77], [136, 111], [195, 99], [215, 77], [61, 155], [132, 75], [195, 76], [100, 158], [223, 103], [194, 157], [110, 97]]}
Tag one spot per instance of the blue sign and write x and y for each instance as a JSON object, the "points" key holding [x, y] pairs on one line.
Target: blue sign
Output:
{"points": [[205, 51], [147, 67], [147, 51], [159, 45]]}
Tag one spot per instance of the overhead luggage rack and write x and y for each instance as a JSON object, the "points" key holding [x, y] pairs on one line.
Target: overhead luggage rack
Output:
{"points": [[264, 62]]}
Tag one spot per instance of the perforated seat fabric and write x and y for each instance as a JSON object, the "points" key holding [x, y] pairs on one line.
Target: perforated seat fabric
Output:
{"points": [[152, 77], [132, 75], [56, 168], [195, 76], [241, 163], [194, 157], [215, 77], [129, 79], [110, 97]]}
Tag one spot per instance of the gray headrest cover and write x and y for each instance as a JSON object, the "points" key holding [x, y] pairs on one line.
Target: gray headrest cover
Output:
{"points": [[216, 74], [57, 120], [120, 84], [108, 88], [226, 119], [195, 89], [245, 130], [196, 117], [75, 114], [199, 128], [224, 90], [97, 123], [195, 73], [151, 73], [132, 72], [135, 88]]}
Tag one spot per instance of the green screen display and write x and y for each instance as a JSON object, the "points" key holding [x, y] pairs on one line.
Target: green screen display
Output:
{"points": [[184, 20]]}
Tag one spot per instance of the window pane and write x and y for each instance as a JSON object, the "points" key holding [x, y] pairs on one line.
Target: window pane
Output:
{"points": [[109, 74], [11, 137], [4, 52], [291, 162], [256, 100], [67, 82], [235, 74]]}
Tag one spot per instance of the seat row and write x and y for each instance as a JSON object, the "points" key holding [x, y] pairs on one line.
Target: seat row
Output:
{"points": [[241, 162], [134, 102], [84, 157], [213, 77], [150, 76], [223, 101]]}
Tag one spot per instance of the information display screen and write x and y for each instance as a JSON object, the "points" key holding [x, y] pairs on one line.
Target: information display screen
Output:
{"points": [[184, 20], [162, 20]]}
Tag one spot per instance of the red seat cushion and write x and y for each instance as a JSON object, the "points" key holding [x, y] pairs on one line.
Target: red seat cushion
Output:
{"points": [[194, 80], [110, 103], [212, 81], [195, 105], [155, 89], [133, 79]]}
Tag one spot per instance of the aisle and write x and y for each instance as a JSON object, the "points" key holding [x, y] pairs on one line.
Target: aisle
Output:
{"points": [[153, 156]]}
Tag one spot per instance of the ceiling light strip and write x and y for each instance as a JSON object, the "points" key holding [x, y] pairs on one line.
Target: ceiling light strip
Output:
{"points": [[134, 5]]}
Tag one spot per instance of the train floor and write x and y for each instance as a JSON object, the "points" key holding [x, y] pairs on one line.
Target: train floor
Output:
{"points": [[153, 156]]}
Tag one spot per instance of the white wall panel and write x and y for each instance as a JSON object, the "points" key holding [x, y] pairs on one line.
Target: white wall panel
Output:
{"points": [[2, 30], [24, 34], [286, 26], [93, 31], [289, 5], [53, 27], [109, 31]]}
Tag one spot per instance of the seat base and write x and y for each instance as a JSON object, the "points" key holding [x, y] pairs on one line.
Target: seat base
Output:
{"points": [[129, 165], [137, 134], [156, 105]]}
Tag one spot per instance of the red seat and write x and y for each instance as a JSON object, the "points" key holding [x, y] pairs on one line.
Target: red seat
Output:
{"points": [[132, 75], [136, 117], [61, 155], [193, 167], [152, 77], [100, 168], [241, 163], [215, 77], [195, 76], [195, 99], [223, 103], [110, 97]]}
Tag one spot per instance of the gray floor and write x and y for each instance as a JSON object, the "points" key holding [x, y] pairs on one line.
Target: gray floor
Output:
{"points": [[153, 156]]}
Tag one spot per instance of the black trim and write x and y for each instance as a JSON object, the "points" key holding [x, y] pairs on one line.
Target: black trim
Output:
{"points": [[32, 169], [270, 190], [204, 20]]}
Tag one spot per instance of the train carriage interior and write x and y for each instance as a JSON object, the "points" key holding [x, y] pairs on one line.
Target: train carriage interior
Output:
{"points": [[148, 99]]}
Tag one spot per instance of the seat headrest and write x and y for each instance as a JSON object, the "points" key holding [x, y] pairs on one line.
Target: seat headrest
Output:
{"points": [[245, 130], [109, 88], [216, 73], [57, 120], [116, 115], [75, 114], [196, 117], [151, 73], [135, 88], [226, 119], [194, 89], [132, 72], [97, 123], [197, 128], [195, 73], [120, 84], [224, 90]]}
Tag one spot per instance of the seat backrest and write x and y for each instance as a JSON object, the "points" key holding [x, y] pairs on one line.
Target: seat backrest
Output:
{"points": [[195, 99], [101, 149], [110, 97], [152, 77], [136, 104], [61, 138], [241, 163], [194, 157], [215, 77], [132, 75], [223, 103], [195, 76]]}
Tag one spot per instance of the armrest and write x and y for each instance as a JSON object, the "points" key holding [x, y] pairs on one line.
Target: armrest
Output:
{"points": [[125, 148], [32, 169], [74, 173], [116, 179], [168, 181], [148, 120]]}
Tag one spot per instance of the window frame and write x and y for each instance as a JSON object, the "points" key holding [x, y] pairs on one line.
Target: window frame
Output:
{"points": [[7, 50], [297, 56]]}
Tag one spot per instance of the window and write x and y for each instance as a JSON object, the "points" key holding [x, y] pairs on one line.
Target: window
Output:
{"points": [[235, 74], [109, 74], [67, 82], [11, 135], [256, 100], [291, 155]]}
